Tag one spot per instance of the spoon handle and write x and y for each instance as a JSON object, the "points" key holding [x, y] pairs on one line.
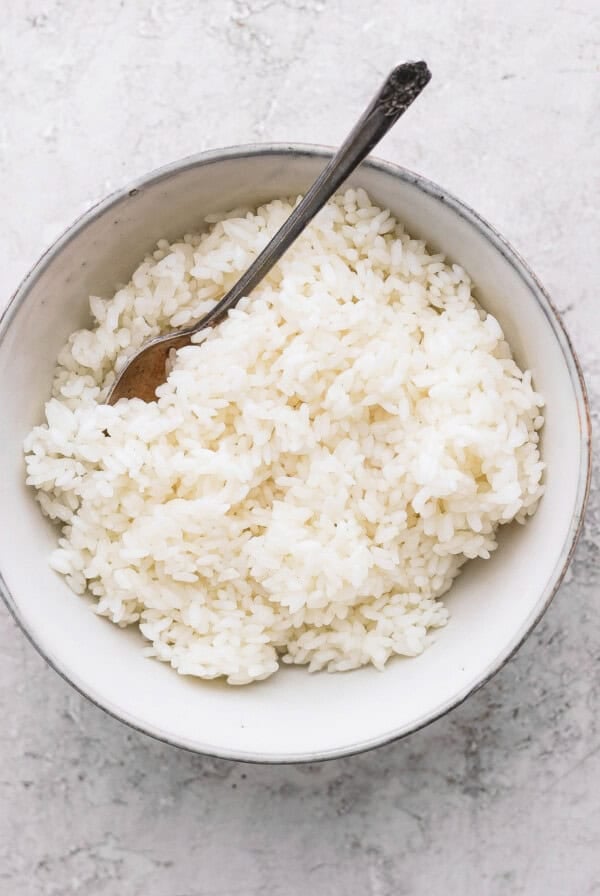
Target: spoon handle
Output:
{"points": [[399, 90]]}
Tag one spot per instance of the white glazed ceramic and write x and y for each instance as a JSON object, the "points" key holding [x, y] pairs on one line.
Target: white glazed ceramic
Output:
{"points": [[293, 716]]}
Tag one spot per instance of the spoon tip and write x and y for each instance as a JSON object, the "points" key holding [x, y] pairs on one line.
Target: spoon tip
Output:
{"points": [[417, 71]]}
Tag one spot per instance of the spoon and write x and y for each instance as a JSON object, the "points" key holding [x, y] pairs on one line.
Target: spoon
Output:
{"points": [[146, 370]]}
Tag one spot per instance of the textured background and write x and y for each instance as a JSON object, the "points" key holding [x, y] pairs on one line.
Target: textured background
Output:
{"points": [[500, 797]]}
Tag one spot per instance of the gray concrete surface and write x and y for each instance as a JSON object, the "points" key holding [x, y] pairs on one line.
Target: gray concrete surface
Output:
{"points": [[502, 796]]}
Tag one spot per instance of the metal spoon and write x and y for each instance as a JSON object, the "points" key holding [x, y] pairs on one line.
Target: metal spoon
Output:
{"points": [[146, 370]]}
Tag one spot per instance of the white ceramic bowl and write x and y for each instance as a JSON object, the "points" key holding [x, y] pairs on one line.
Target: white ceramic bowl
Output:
{"points": [[292, 716]]}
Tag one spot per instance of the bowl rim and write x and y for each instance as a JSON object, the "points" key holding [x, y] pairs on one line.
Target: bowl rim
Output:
{"points": [[250, 150]]}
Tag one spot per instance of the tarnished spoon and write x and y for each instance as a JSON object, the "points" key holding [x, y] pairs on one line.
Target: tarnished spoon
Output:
{"points": [[146, 370]]}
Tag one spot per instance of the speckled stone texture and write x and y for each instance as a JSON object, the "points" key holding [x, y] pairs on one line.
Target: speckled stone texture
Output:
{"points": [[501, 797]]}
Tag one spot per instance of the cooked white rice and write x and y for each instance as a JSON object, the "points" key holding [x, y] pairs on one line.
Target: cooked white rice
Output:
{"points": [[314, 473]]}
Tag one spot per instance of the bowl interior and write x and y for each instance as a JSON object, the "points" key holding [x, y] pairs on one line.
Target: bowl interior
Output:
{"points": [[292, 715]]}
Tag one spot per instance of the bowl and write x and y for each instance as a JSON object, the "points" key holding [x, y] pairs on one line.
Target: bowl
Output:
{"points": [[293, 716]]}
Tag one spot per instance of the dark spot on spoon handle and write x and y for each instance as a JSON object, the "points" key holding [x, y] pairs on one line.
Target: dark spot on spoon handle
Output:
{"points": [[402, 87]]}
